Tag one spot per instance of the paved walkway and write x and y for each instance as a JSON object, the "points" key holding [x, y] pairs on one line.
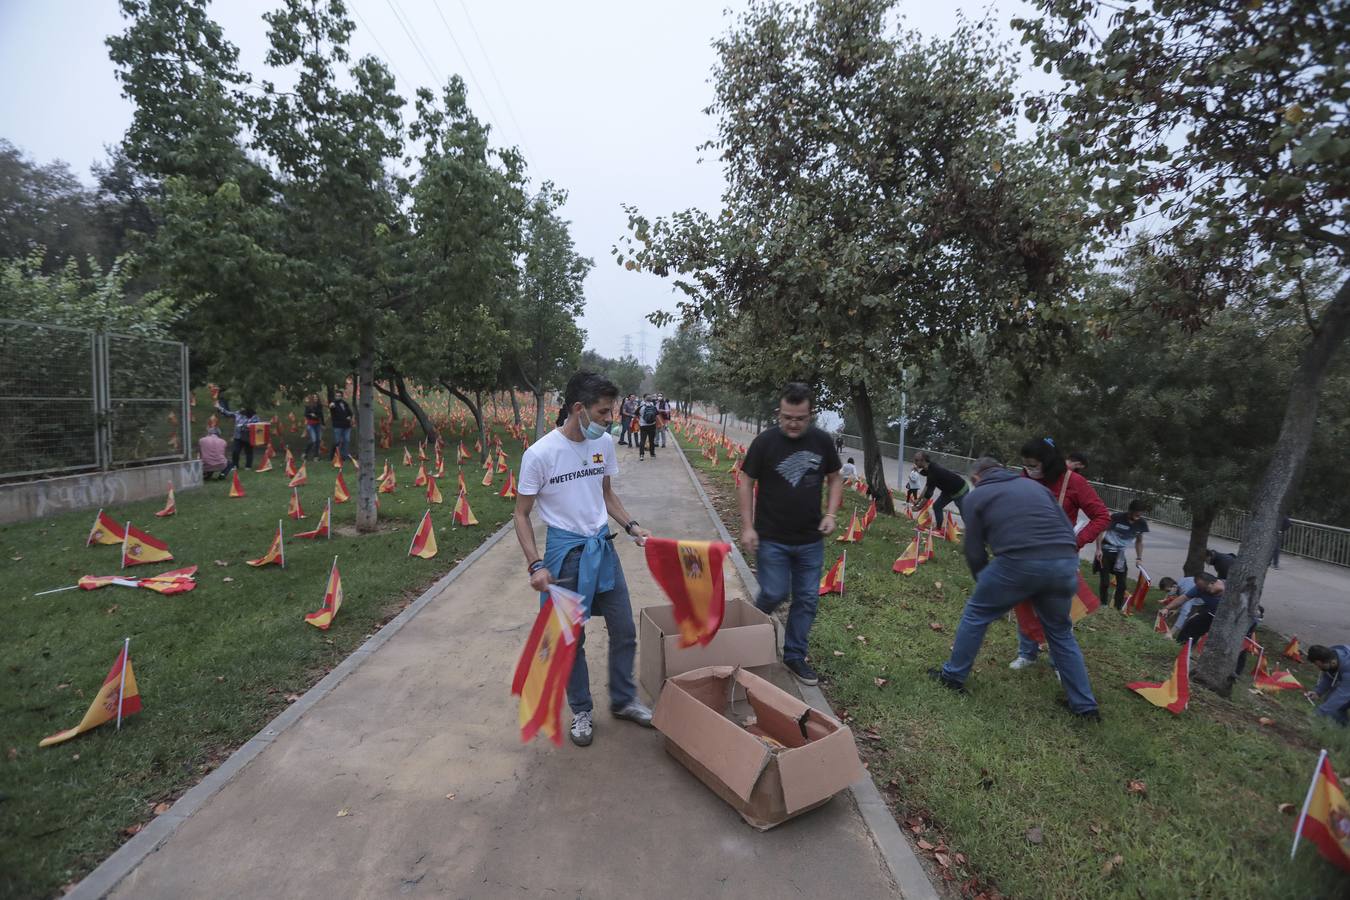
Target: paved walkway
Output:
{"points": [[1303, 597], [430, 714]]}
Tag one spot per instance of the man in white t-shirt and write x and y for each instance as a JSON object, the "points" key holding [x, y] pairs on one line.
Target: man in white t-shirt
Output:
{"points": [[566, 475]]}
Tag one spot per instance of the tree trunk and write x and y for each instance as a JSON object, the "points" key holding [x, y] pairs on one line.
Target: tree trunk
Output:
{"points": [[1215, 668], [872, 464], [540, 417], [405, 397], [1202, 517], [393, 401], [366, 515], [477, 409], [515, 406]]}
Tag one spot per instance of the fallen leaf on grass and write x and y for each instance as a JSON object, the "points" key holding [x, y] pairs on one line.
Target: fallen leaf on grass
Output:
{"points": [[880, 682], [161, 808], [960, 859], [221, 562], [1264, 720], [924, 845], [63, 685], [916, 828], [227, 579], [1137, 786], [849, 626], [1095, 829], [862, 638], [132, 830], [1287, 809], [943, 860], [220, 678], [16, 558], [291, 698], [342, 813], [13, 753], [938, 585], [1035, 835], [936, 626], [1112, 864]]}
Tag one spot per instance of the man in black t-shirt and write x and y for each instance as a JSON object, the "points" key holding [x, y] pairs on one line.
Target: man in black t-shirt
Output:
{"points": [[786, 530], [953, 487], [1113, 543]]}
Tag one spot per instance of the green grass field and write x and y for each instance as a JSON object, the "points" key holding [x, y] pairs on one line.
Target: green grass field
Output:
{"points": [[213, 665], [1015, 795]]}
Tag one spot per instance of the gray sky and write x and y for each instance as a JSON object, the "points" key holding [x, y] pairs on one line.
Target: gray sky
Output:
{"points": [[604, 98]]}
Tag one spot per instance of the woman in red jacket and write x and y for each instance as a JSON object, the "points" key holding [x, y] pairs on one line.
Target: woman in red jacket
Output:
{"points": [[1042, 461]]}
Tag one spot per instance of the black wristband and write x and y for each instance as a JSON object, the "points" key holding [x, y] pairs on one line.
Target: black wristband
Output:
{"points": [[536, 566], [629, 527]]}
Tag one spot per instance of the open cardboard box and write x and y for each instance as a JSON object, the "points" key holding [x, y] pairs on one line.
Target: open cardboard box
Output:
{"points": [[746, 638], [792, 759]]}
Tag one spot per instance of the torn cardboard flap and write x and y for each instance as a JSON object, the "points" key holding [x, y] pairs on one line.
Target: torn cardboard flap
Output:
{"points": [[766, 786], [746, 638]]}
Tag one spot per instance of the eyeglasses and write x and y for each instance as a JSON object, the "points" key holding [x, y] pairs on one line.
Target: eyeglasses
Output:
{"points": [[784, 417]]}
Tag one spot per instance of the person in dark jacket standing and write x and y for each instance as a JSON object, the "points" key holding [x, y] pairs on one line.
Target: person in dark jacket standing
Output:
{"points": [[313, 426], [1114, 542], [647, 416], [953, 487], [1221, 562], [1036, 559], [790, 464], [626, 413], [342, 425]]}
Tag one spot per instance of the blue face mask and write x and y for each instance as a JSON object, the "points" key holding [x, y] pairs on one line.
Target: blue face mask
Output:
{"points": [[592, 430]]}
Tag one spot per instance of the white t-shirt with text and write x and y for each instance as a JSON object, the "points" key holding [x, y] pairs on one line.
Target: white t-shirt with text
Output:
{"points": [[567, 480]]}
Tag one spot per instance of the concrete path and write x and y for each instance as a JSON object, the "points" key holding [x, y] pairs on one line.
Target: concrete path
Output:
{"points": [[1303, 597], [429, 714]]}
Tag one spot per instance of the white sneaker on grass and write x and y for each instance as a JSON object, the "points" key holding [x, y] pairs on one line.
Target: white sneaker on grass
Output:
{"points": [[1021, 663]]}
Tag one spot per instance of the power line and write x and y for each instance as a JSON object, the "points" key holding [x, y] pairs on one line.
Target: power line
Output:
{"points": [[468, 68], [389, 56], [493, 72], [435, 79]]}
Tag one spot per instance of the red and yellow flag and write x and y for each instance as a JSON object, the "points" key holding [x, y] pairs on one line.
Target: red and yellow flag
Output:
{"points": [[928, 546], [463, 513], [501, 460], [1174, 693], [908, 561], [275, 555], [105, 531], [293, 509], [924, 518], [871, 515], [487, 477], [140, 547], [951, 531], [407, 457], [1160, 623], [340, 494], [170, 507], [1249, 645], [853, 534], [424, 538], [509, 488], [433, 491], [298, 478], [545, 664], [324, 528], [1293, 651], [177, 581], [462, 455], [422, 451], [266, 464], [1084, 603], [337, 457], [332, 601], [440, 466], [1141, 587], [116, 699], [421, 479], [1325, 819], [690, 573], [388, 483], [1282, 680], [461, 489], [290, 464], [833, 582], [236, 489], [258, 433]]}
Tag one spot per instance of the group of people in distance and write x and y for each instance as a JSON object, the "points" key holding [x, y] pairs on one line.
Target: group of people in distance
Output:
{"points": [[212, 446], [651, 416]]}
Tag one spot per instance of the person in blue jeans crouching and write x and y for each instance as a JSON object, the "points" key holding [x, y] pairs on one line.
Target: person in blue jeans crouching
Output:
{"points": [[783, 526], [1036, 559]]}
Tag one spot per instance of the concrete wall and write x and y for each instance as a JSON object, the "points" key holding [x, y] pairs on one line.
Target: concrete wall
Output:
{"points": [[38, 499]]}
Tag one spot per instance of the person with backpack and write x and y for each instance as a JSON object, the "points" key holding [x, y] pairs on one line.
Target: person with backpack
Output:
{"points": [[647, 415]]}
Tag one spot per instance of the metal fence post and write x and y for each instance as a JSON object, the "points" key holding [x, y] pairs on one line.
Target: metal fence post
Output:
{"points": [[185, 415], [102, 402]]}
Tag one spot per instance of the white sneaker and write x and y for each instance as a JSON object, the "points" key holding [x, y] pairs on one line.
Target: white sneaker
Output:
{"points": [[1021, 663], [581, 729]]}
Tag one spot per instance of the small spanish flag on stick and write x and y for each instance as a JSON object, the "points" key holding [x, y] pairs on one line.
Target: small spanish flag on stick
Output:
{"points": [[1141, 587], [433, 491], [293, 509], [275, 555], [690, 573], [1325, 815], [546, 662], [298, 478], [463, 513], [140, 547], [509, 488], [1282, 680], [424, 539], [407, 457], [1291, 650], [290, 464], [908, 561], [117, 698], [170, 507], [340, 494], [487, 477], [323, 529], [1173, 694], [105, 531], [236, 489], [833, 582], [421, 479], [332, 601], [853, 534]]}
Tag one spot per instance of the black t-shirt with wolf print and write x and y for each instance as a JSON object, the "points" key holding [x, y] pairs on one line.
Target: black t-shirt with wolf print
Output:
{"points": [[790, 475]]}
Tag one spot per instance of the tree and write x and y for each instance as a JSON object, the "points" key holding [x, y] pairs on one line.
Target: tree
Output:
{"points": [[626, 372], [877, 209], [551, 299], [682, 373], [1229, 124]]}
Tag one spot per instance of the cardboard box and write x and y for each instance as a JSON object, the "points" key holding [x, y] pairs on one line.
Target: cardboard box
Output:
{"points": [[703, 717], [746, 638]]}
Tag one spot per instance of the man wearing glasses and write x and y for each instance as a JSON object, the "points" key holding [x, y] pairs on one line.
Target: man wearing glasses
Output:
{"points": [[783, 525]]}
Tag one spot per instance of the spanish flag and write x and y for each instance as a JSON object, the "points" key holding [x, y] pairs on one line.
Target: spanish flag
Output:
{"points": [[421, 479], [332, 601], [1325, 819], [140, 547], [293, 509], [276, 554], [340, 494], [509, 488], [924, 519], [541, 675], [1084, 603], [433, 491], [871, 515], [908, 562], [487, 477], [389, 482], [440, 466], [175, 582], [462, 455], [1160, 623], [1141, 587], [424, 539], [258, 433], [422, 451], [461, 489], [266, 463], [337, 458], [854, 532], [298, 478], [487, 464], [463, 514], [690, 573], [290, 464], [407, 457], [1291, 650], [833, 582], [501, 460], [105, 531], [1174, 693], [324, 528], [170, 508], [236, 489], [1282, 680], [928, 547], [116, 699], [951, 531]]}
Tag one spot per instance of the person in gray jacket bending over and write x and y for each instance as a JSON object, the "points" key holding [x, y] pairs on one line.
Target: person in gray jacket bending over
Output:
{"points": [[1036, 559]]}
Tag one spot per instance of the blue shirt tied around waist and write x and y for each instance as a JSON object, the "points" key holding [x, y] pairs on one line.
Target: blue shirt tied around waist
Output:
{"points": [[598, 560]]}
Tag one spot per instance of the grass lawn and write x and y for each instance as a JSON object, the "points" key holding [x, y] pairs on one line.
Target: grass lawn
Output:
{"points": [[1017, 797], [213, 665]]}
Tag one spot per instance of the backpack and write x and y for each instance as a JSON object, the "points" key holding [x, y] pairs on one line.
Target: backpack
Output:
{"points": [[648, 413]]}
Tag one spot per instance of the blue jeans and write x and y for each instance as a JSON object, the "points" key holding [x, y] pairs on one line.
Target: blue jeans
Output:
{"points": [[314, 436], [796, 568], [342, 438], [618, 612], [1049, 584]]}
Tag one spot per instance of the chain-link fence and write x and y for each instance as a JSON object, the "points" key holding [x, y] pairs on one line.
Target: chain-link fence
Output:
{"points": [[75, 400]]}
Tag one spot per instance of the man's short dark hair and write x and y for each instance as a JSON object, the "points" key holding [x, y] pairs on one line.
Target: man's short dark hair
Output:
{"points": [[1320, 653], [1167, 583], [795, 392], [1203, 578], [1138, 505], [585, 388]]}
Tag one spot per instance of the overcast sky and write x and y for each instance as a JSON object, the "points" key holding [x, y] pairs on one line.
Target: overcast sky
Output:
{"points": [[604, 98]]}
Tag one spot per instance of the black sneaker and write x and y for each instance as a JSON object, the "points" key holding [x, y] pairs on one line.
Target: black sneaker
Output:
{"points": [[950, 684], [805, 674], [1091, 715]]}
